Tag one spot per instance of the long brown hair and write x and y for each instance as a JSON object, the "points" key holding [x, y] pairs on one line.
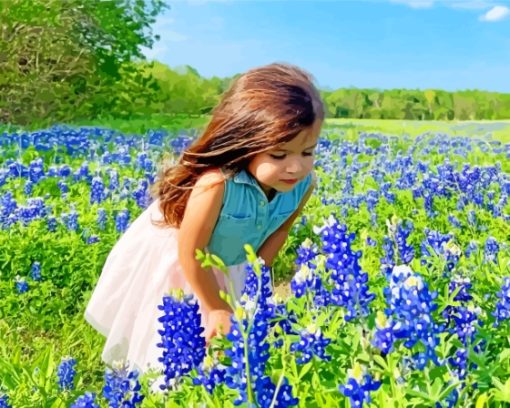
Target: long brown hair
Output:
{"points": [[264, 107]]}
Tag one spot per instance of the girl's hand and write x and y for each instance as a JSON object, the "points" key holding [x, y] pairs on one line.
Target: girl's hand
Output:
{"points": [[218, 323]]}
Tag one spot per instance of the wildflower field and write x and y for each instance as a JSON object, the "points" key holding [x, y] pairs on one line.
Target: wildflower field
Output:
{"points": [[399, 276]]}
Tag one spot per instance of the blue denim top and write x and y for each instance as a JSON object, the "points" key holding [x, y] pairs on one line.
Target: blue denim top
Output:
{"points": [[247, 217]]}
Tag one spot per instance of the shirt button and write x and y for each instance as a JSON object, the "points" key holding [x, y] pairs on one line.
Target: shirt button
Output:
{"points": [[262, 203], [259, 226]]}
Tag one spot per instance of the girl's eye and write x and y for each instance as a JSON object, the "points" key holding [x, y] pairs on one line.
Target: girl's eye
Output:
{"points": [[278, 156], [307, 153]]}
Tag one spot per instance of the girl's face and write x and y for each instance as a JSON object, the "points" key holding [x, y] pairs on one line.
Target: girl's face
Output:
{"points": [[281, 168]]}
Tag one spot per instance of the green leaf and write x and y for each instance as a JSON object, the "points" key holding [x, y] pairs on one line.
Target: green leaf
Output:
{"points": [[504, 355]]}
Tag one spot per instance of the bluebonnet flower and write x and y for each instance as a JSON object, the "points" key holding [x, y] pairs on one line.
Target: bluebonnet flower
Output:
{"points": [[155, 137], [502, 311], [306, 252], [21, 284], [93, 239], [8, 206], [101, 218], [34, 209], [210, 374], [97, 191], [4, 401], [27, 189], [472, 247], [462, 202], [52, 172], [491, 250], [143, 162], [359, 385], [471, 217], [82, 173], [36, 170], [408, 316], [18, 169], [122, 156], [454, 221], [428, 201], [122, 388], [462, 285], [461, 320], [383, 336], [88, 400], [62, 185], [405, 251], [441, 245], [122, 220], [4, 175], [388, 195], [252, 316], [254, 312], [388, 260], [70, 220], [477, 198], [35, 271], [66, 373], [51, 223], [127, 182], [284, 320], [371, 242], [141, 194], [311, 342], [180, 143], [302, 281], [464, 320], [309, 281], [182, 342], [350, 289], [114, 180], [372, 198], [265, 390], [306, 279]]}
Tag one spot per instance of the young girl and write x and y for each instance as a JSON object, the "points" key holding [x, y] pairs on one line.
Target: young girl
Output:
{"points": [[244, 181]]}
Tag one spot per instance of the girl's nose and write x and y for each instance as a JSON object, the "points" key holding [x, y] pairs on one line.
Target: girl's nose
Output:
{"points": [[295, 166]]}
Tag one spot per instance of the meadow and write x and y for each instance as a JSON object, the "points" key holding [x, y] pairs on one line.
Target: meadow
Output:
{"points": [[393, 289]]}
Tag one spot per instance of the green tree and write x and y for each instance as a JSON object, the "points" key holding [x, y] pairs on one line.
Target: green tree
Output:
{"points": [[64, 59]]}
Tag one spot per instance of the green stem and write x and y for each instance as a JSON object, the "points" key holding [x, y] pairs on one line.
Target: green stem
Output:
{"points": [[280, 380]]}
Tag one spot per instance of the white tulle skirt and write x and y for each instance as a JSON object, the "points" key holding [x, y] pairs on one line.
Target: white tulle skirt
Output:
{"points": [[141, 268]]}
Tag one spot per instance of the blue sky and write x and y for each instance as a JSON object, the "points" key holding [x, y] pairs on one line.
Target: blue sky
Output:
{"points": [[414, 44]]}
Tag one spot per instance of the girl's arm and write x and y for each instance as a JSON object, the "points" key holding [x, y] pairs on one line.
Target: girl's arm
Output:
{"points": [[275, 241], [200, 217]]}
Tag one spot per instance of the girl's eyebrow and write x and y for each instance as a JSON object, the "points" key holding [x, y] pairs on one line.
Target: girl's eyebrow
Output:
{"points": [[306, 148]]}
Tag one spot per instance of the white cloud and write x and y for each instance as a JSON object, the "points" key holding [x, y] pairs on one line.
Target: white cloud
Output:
{"points": [[454, 4], [471, 4], [415, 3], [497, 13]]}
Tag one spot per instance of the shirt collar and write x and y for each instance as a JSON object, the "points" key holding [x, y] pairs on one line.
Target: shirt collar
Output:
{"points": [[243, 177]]}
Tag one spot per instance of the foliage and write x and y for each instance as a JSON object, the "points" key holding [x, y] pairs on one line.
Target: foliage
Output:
{"points": [[71, 59], [400, 296]]}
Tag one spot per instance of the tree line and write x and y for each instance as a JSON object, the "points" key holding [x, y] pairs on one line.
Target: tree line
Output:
{"points": [[75, 59]]}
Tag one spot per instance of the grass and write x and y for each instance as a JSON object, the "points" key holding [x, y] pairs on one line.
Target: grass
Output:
{"points": [[173, 123], [499, 130]]}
